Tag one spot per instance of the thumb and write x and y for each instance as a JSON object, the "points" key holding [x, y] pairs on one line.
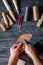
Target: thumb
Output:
{"points": [[26, 45]]}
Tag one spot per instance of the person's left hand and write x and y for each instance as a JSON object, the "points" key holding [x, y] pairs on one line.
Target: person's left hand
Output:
{"points": [[15, 51]]}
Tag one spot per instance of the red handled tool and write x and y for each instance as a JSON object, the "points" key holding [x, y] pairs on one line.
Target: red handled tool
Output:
{"points": [[20, 21]]}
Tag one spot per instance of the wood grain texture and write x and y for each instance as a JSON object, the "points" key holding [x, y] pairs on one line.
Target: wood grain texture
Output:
{"points": [[7, 39]]}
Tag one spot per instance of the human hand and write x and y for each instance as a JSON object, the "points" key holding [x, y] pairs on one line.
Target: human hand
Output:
{"points": [[15, 51], [30, 50]]}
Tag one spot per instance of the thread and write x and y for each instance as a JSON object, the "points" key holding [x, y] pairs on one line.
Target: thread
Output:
{"points": [[26, 16], [36, 13]]}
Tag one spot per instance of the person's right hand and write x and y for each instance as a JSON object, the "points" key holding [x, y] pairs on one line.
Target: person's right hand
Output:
{"points": [[32, 53], [30, 50]]}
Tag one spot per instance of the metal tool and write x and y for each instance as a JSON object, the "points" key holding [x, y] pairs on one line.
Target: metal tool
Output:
{"points": [[16, 5], [25, 42]]}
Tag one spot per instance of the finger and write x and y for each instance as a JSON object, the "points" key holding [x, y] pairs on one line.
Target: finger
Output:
{"points": [[22, 50], [19, 45], [26, 45], [14, 46]]}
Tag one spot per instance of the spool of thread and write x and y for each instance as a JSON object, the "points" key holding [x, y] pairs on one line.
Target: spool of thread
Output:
{"points": [[5, 19], [36, 13], [3, 25], [16, 5], [26, 16], [9, 9]]}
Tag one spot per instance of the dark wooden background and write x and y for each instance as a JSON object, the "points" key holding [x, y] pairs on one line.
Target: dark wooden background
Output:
{"points": [[8, 38]]}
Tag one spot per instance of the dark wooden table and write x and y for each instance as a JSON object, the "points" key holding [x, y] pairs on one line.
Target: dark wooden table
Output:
{"points": [[8, 38]]}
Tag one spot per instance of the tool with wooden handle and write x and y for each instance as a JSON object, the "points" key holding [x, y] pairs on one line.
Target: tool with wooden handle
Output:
{"points": [[20, 19], [5, 19], [9, 9], [3, 25], [40, 21], [25, 42], [10, 20], [36, 13], [16, 5]]}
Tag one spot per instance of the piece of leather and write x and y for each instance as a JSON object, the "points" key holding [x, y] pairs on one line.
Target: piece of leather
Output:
{"points": [[27, 37]]}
